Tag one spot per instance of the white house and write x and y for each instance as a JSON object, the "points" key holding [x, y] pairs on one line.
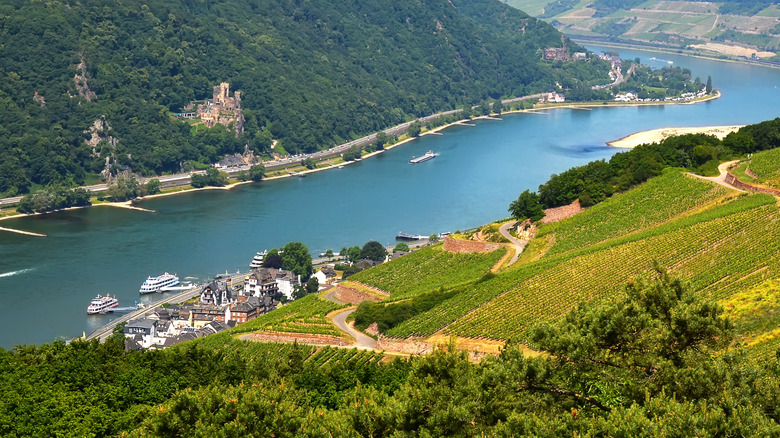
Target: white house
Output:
{"points": [[286, 282]]}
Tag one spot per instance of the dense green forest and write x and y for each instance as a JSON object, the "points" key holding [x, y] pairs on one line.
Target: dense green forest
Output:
{"points": [[658, 361], [312, 74]]}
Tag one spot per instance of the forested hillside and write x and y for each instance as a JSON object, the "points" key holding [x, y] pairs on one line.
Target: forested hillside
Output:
{"points": [[312, 74]]}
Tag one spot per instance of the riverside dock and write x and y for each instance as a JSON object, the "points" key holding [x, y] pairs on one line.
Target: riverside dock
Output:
{"points": [[102, 333]]}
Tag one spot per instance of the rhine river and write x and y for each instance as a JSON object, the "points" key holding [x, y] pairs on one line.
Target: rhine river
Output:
{"points": [[47, 283]]}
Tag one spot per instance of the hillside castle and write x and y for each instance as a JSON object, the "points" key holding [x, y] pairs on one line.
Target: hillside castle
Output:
{"points": [[221, 109]]}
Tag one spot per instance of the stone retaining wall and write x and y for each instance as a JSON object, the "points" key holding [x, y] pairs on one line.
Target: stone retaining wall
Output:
{"points": [[560, 213], [352, 295], [468, 246], [301, 338], [734, 181], [406, 346]]}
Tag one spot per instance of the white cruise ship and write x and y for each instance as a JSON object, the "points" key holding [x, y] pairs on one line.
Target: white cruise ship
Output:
{"points": [[154, 284], [257, 260], [101, 304]]}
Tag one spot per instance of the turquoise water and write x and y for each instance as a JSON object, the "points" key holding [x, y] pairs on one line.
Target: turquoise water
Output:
{"points": [[46, 283]]}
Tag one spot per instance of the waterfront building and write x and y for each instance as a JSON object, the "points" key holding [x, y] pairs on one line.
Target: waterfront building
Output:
{"points": [[286, 282], [260, 283], [216, 293]]}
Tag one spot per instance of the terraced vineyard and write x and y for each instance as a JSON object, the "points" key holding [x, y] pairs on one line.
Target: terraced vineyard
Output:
{"points": [[258, 355], [469, 298], [656, 201], [262, 355], [343, 356], [719, 256], [306, 315], [427, 269]]}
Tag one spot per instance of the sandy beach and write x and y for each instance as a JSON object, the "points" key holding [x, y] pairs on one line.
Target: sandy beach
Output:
{"points": [[658, 135]]}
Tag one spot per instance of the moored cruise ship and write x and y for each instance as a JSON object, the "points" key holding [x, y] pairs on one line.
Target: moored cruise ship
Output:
{"points": [[257, 260], [154, 284], [101, 304]]}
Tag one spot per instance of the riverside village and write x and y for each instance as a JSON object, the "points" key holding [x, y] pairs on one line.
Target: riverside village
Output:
{"points": [[220, 305]]}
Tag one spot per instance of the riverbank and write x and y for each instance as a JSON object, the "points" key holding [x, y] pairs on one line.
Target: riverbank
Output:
{"points": [[339, 164], [683, 52], [658, 135]]}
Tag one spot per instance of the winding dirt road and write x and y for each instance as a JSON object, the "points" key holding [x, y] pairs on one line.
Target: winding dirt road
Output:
{"points": [[721, 179], [362, 341]]}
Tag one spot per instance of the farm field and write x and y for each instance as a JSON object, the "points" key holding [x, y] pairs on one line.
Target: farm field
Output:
{"points": [[530, 7], [427, 269], [677, 24]]}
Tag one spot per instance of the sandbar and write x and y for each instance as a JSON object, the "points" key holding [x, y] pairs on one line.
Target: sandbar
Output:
{"points": [[658, 135]]}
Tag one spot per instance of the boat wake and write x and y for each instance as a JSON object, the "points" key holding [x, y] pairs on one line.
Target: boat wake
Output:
{"points": [[661, 60], [12, 273]]}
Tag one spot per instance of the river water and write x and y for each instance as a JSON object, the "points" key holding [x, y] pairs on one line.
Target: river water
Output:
{"points": [[46, 283]]}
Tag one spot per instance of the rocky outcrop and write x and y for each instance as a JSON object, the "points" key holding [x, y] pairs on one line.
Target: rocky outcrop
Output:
{"points": [[560, 213], [406, 346], [80, 79], [98, 137], [39, 98]]}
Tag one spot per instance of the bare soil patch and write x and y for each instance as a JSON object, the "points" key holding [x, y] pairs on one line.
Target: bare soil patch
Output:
{"points": [[732, 50]]}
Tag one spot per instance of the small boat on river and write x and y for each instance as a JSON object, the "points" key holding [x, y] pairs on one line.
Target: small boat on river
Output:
{"points": [[428, 155], [407, 236]]}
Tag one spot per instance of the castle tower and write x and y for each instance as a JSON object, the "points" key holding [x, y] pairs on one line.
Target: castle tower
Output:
{"points": [[217, 94], [225, 91]]}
